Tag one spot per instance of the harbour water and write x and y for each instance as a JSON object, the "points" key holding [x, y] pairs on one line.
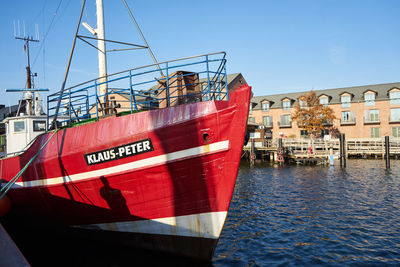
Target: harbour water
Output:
{"points": [[280, 216], [314, 216]]}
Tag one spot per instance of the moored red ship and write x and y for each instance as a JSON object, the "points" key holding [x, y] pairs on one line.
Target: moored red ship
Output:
{"points": [[150, 161]]}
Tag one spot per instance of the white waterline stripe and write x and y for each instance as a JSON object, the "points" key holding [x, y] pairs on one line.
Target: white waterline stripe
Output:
{"points": [[205, 225], [140, 164]]}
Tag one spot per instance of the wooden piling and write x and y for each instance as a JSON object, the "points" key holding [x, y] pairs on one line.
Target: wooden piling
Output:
{"points": [[342, 140], [387, 152], [252, 152], [279, 155]]}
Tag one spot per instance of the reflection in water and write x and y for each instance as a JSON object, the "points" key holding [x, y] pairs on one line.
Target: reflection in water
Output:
{"points": [[310, 215]]}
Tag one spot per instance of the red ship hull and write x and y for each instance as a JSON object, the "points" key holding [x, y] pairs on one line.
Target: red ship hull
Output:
{"points": [[160, 179]]}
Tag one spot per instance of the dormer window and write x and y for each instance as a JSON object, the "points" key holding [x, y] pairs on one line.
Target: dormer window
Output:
{"points": [[369, 99], [346, 100], [394, 96], [286, 104], [324, 100], [265, 106]]}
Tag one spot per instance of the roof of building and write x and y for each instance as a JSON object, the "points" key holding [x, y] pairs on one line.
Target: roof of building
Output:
{"points": [[357, 93], [232, 77], [7, 111]]}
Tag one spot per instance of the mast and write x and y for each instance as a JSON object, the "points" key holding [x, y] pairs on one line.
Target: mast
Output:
{"points": [[28, 68], [101, 44], [29, 96], [33, 104]]}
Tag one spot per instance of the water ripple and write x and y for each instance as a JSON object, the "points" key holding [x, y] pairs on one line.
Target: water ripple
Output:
{"points": [[303, 215]]}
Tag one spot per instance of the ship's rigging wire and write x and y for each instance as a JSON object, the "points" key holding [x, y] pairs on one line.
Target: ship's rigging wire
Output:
{"points": [[47, 32], [40, 12], [144, 39], [54, 122]]}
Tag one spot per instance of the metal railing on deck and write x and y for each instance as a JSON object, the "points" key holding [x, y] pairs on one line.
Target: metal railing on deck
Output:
{"points": [[186, 80]]}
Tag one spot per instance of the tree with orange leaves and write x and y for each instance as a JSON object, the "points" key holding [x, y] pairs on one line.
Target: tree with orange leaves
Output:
{"points": [[311, 115]]}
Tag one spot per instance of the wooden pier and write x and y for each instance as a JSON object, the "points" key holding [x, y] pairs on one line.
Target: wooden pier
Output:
{"points": [[318, 151]]}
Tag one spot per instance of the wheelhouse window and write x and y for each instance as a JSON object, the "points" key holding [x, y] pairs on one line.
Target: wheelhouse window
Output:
{"points": [[394, 98], [345, 99], [286, 104], [369, 99], [19, 126], [265, 106], [39, 126]]}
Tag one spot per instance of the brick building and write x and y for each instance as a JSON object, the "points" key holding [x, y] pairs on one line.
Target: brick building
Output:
{"points": [[370, 111]]}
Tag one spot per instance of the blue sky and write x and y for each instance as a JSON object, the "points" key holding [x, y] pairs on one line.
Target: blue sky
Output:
{"points": [[279, 46]]}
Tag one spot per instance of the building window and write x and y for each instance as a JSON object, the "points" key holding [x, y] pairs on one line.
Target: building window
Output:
{"points": [[19, 126], [252, 119], [394, 98], [324, 101], [285, 120], [265, 106], [250, 109], [372, 115], [345, 99], [375, 132], [302, 103], [396, 131], [395, 114], [369, 99], [286, 105], [348, 117], [267, 121], [303, 133]]}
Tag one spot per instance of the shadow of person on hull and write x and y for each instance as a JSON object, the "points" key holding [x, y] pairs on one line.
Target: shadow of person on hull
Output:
{"points": [[114, 198]]}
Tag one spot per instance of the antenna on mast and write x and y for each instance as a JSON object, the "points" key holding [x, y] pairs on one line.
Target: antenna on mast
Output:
{"points": [[27, 39], [29, 85]]}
